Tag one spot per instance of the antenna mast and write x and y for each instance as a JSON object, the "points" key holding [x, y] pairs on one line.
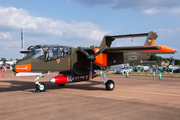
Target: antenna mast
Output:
{"points": [[22, 41]]}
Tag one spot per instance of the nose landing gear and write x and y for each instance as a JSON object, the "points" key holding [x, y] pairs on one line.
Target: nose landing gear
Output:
{"points": [[40, 86]]}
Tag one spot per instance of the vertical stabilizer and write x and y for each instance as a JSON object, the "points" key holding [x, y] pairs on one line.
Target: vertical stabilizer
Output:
{"points": [[106, 41], [151, 39]]}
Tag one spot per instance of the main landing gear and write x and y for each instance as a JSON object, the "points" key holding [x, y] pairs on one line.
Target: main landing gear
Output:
{"points": [[40, 86], [110, 83]]}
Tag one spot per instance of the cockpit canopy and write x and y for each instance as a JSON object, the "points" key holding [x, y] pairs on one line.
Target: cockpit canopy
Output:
{"points": [[49, 52]]}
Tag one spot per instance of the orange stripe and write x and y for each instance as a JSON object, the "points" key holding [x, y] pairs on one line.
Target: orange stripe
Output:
{"points": [[23, 68], [153, 42]]}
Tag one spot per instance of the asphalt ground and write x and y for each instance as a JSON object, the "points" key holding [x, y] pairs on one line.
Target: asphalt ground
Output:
{"points": [[134, 98]]}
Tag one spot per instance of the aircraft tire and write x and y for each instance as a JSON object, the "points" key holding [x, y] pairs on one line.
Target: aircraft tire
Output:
{"points": [[42, 88], [61, 84], [110, 85]]}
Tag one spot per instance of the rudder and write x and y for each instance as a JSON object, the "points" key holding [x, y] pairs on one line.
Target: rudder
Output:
{"points": [[151, 39]]}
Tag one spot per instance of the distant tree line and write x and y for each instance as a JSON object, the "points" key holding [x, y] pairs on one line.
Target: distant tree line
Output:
{"points": [[92, 46], [4, 59], [159, 59]]}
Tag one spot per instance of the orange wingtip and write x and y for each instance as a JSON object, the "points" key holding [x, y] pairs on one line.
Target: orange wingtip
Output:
{"points": [[166, 49], [162, 49]]}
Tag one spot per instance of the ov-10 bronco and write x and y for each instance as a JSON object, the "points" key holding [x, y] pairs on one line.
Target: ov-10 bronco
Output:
{"points": [[78, 64]]}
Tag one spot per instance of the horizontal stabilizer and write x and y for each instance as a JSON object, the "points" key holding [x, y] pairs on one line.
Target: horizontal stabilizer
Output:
{"points": [[25, 51], [128, 35]]}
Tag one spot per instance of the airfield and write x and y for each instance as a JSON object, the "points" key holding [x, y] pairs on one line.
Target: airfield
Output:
{"points": [[136, 97]]}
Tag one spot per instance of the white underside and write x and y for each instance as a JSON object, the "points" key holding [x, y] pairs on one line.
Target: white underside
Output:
{"points": [[29, 74]]}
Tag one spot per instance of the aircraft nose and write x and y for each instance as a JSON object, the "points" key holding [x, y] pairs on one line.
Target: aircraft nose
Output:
{"points": [[13, 68]]}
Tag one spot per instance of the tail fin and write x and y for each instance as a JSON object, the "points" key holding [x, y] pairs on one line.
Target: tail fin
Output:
{"points": [[151, 39]]}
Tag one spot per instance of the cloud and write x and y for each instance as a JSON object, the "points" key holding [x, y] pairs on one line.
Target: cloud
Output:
{"points": [[169, 32], [150, 11], [13, 19], [33, 41], [9, 46], [145, 6], [10, 49], [92, 2], [83, 30], [174, 11], [5, 35]]}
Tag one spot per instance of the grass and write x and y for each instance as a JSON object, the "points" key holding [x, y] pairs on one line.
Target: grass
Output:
{"points": [[147, 74]]}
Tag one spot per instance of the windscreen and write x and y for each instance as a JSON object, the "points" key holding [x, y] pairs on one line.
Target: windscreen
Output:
{"points": [[37, 52], [49, 52]]}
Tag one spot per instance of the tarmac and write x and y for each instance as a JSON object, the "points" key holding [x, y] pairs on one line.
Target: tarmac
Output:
{"points": [[134, 98]]}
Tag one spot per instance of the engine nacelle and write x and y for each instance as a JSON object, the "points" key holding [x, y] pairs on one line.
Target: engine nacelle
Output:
{"points": [[101, 59]]}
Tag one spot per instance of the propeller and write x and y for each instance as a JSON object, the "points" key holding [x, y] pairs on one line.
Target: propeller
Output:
{"points": [[92, 58]]}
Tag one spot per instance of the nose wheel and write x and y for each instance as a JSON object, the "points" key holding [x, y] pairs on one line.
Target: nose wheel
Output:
{"points": [[40, 86]]}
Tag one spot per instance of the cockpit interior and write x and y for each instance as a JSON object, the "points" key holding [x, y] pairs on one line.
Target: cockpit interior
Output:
{"points": [[48, 52]]}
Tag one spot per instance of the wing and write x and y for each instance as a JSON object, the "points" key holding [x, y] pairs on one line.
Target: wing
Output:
{"points": [[148, 48], [141, 49]]}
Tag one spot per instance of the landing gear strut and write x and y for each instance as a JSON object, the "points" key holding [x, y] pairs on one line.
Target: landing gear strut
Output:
{"points": [[110, 83], [40, 86]]}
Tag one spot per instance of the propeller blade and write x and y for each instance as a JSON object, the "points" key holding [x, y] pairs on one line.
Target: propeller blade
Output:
{"points": [[92, 58], [90, 71], [83, 51], [100, 51]]}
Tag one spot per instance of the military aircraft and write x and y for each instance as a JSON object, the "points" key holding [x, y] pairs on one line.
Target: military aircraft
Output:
{"points": [[78, 64]]}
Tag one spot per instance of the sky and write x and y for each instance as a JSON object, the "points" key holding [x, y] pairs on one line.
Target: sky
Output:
{"points": [[85, 22]]}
